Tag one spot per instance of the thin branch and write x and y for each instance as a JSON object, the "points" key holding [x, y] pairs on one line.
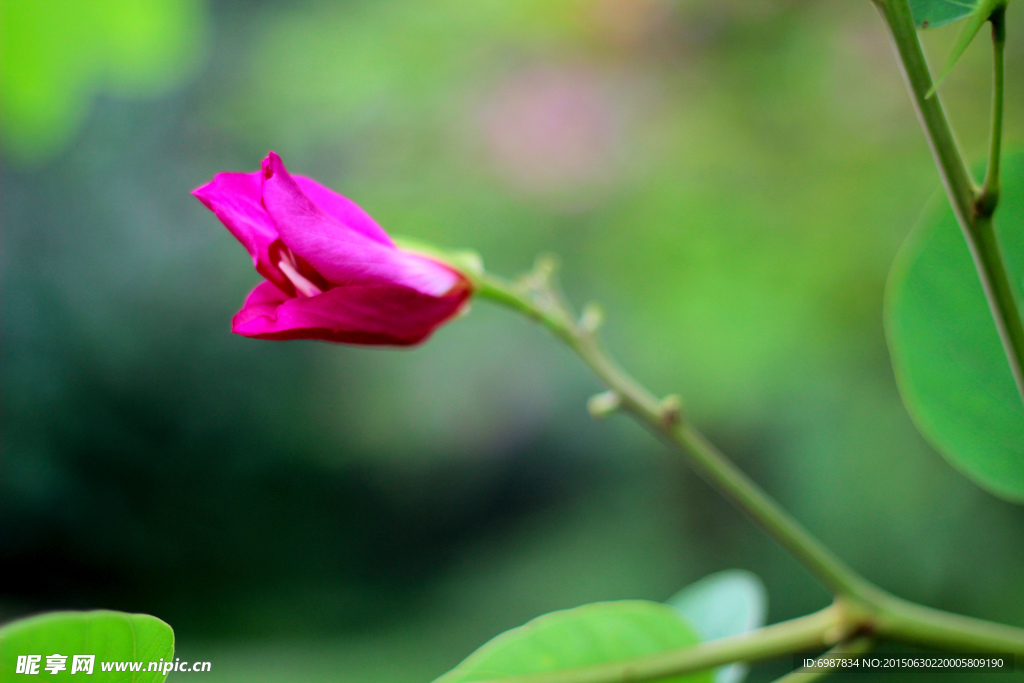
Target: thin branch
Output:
{"points": [[955, 176], [988, 198], [820, 669], [717, 469], [915, 624], [969, 204], [804, 633], [866, 608]]}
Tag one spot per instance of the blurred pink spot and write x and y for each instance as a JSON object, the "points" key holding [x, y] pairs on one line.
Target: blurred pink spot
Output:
{"points": [[551, 128]]}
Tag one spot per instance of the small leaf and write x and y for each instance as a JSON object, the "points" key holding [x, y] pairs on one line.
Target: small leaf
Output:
{"points": [[946, 352], [724, 604], [978, 18], [599, 633], [110, 636], [935, 13]]}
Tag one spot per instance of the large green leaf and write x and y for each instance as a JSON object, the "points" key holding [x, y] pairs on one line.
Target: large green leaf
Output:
{"points": [[110, 636], [593, 634], [935, 13], [949, 360], [721, 605]]}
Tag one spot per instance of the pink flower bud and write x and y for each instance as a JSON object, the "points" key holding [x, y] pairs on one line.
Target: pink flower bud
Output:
{"points": [[332, 273]]}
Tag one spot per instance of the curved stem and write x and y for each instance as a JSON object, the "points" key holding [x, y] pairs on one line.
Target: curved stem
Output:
{"points": [[866, 608], [1000, 291], [973, 208], [718, 470], [856, 646], [955, 176], [989, 196], [810, 632], [914, 624]]}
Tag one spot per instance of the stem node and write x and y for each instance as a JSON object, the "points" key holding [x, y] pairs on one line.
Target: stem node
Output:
{"points": [[860, 608], [670, 411]]}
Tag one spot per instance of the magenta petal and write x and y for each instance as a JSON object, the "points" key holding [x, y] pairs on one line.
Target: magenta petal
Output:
{"points": [[357, 314], [343, 210], [332, 273], [262, 302], [236, 199], [338, 252]]}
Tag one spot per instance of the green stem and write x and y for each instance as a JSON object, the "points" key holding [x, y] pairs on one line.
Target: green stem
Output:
{"points": [[914, 624], [955, 176], [999, 290], [811, 632], [866, 608], [973, 208], [862, 607], [835, 574], [989, 196], [856, 646]]}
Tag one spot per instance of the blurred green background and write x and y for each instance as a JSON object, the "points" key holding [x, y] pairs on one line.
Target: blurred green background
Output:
{"points": [[730, 179]]}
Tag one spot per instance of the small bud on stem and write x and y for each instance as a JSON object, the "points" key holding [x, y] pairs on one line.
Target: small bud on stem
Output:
{"points": [[604, 404], [671, 410], [592, 317]]}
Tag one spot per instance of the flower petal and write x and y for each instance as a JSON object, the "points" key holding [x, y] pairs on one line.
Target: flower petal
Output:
{"points": [[375, 314], [343, 210], [262, 302], [339, 252], [236, 199]]}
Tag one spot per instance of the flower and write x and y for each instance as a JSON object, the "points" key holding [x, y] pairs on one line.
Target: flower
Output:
{"points": [[331, 272]]}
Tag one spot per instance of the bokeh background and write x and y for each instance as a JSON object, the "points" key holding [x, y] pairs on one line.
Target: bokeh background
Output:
{"points": [[731, 179]]}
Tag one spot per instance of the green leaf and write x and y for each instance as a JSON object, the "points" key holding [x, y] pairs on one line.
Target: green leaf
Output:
{"points": [[949, 360], [979, 15], [110, 636], [721, 605], [935, 13], [592, 634]]}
